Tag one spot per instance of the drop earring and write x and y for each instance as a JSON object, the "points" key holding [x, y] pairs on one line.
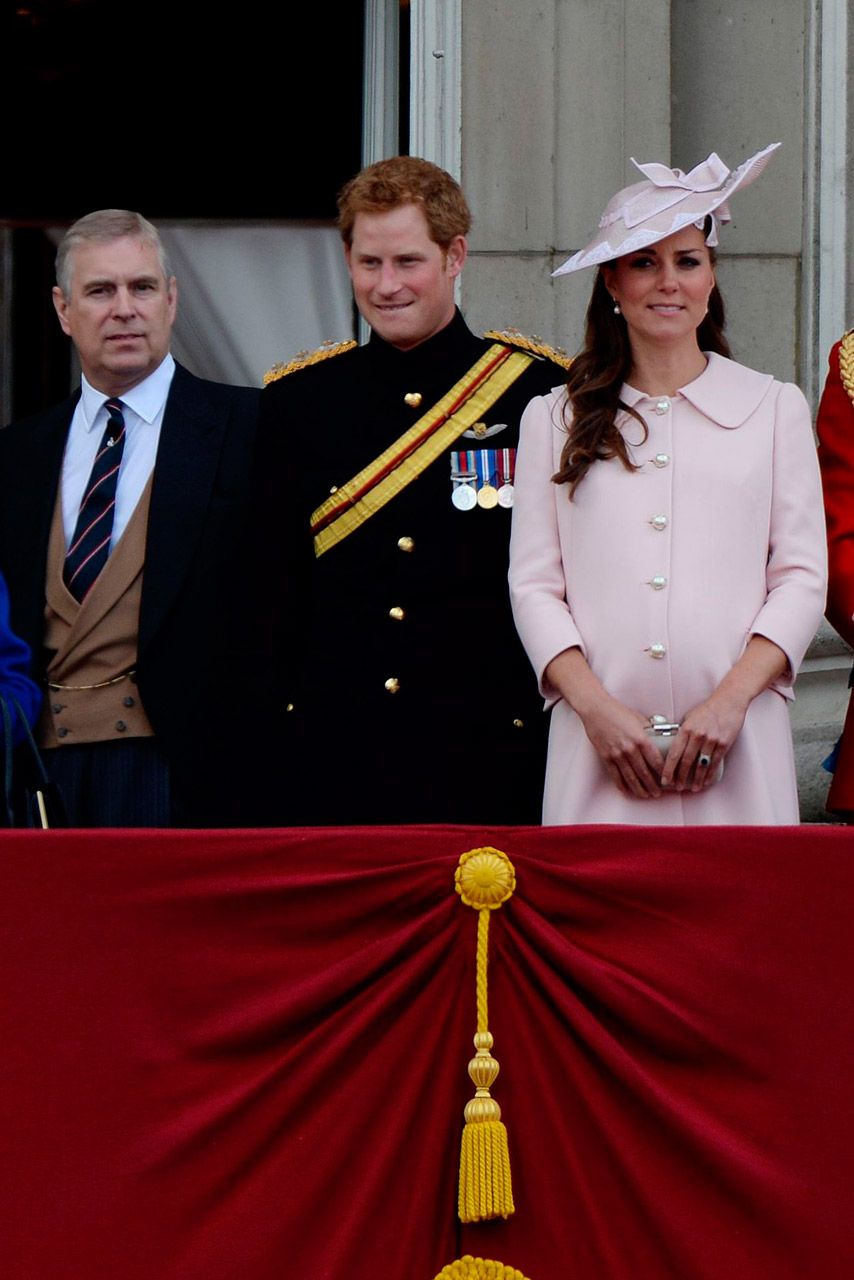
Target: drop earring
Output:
{"points": [[617, 311]]}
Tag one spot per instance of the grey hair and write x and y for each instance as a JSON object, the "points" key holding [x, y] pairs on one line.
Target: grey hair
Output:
{"points": [[105, 224]]}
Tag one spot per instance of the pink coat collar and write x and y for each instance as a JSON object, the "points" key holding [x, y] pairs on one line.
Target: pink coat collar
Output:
{"points": [[725, 392]]}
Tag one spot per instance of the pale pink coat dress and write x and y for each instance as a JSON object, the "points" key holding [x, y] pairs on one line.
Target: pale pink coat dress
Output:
{"points": [[718, 536]]}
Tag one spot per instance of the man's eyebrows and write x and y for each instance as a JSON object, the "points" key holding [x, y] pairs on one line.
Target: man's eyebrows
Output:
{"points": [[100, 282]]}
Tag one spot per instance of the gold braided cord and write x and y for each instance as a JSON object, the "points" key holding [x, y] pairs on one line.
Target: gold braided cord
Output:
{"points": [[303, 359], [469, 1268], [534, 344], [846, 363], [512, 337], [482, 961]]}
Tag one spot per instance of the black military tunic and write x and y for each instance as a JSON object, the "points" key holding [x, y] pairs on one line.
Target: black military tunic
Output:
{"points": [[402, 679]]}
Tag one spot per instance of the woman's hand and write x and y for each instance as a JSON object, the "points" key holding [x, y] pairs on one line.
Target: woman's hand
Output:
{"points": [[617, 732], [709, 729], [633, 762]]}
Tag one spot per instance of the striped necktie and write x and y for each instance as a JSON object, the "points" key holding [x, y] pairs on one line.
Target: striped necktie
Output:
{"points": [[90, 544]]}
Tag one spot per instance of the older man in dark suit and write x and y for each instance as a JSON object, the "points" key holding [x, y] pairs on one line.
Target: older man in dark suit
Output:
{"points": [[121, 537]]}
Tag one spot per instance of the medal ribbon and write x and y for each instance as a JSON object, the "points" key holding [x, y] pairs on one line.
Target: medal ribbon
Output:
{"points": [[375, 485], [485, 467], [461, 471]]}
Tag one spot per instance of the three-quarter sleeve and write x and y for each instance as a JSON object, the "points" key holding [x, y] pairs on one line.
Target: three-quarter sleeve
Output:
{"points": [[797, 560], [537, 582]]}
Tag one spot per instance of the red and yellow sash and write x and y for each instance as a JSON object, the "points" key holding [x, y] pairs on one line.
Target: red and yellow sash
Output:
{"points": [[434, 432]]}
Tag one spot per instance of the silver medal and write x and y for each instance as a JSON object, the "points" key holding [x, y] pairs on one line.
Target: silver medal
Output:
{"points": [[464, 497]]}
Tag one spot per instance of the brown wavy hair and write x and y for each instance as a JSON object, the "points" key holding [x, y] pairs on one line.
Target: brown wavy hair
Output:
{"points": [[596, 377], [388, 184]]}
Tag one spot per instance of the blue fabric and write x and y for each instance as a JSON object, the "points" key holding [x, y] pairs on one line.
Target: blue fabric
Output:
{"points": [[14, 666], [830, 762]]}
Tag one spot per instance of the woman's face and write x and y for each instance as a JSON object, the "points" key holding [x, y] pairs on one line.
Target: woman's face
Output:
{"points": [[663, 291]]}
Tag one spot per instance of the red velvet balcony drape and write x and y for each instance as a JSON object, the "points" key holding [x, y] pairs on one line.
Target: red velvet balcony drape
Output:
{"points": [[242, 1055]]}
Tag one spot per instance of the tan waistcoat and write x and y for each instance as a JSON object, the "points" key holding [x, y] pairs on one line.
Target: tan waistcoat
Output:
{"points": [[92, 694]]}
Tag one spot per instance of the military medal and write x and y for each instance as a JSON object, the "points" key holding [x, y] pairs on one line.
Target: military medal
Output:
{"points": [[508, 463], [464, 497], [487, 494], [463, 494]]}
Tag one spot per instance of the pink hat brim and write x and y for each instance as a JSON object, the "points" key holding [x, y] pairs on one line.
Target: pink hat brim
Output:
{"points": [[671, 209]]}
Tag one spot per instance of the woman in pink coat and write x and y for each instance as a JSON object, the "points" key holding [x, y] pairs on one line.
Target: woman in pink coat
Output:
{"points": [[668, 554]]}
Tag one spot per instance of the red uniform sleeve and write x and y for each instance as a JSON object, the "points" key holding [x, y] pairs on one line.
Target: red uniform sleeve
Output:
{"points": [[836, 457]]}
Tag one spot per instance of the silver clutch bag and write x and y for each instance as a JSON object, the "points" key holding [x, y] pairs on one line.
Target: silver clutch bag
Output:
{"points": [[663, 734]]}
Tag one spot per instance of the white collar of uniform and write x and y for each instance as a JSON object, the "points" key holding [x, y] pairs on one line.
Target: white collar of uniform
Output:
{"points": [[725, 392], [146, 399]]}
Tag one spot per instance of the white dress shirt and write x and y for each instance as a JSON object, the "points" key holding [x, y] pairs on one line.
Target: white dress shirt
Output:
{"points": [[143, 408]]}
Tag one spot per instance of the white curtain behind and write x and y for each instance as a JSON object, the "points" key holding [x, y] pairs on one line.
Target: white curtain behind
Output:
{"points": [[250, 294]]}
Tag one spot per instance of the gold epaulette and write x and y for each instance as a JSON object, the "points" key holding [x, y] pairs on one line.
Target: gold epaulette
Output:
{"points": [[534, 345], [846, 363], [304, 358]]}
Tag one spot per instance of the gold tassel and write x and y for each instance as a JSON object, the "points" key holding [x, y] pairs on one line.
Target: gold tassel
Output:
{"points": [[469, 1268], [484, 880]]}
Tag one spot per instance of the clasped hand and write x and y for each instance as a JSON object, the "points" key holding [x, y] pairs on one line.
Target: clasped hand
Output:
{"points": [[708, 731], [635, 764]]}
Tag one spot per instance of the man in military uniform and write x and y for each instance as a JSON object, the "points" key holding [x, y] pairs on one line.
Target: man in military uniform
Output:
{"points": [[386, 482]]}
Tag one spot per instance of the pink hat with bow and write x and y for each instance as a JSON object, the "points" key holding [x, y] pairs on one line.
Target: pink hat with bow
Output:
{"points": [[668, 200]]}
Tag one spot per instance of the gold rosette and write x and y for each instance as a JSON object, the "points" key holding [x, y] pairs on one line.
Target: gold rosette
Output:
{"points": [[485, 878], [469, 1268]]}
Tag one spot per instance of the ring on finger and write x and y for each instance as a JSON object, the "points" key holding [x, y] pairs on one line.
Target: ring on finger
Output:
{"points": [[703, 760]]}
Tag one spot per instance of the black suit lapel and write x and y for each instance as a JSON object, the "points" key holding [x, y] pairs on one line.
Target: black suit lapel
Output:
{"points": [[194, 423]]}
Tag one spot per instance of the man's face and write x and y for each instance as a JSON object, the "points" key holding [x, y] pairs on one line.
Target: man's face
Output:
{"points": [[402, 280], [119, 312]]}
